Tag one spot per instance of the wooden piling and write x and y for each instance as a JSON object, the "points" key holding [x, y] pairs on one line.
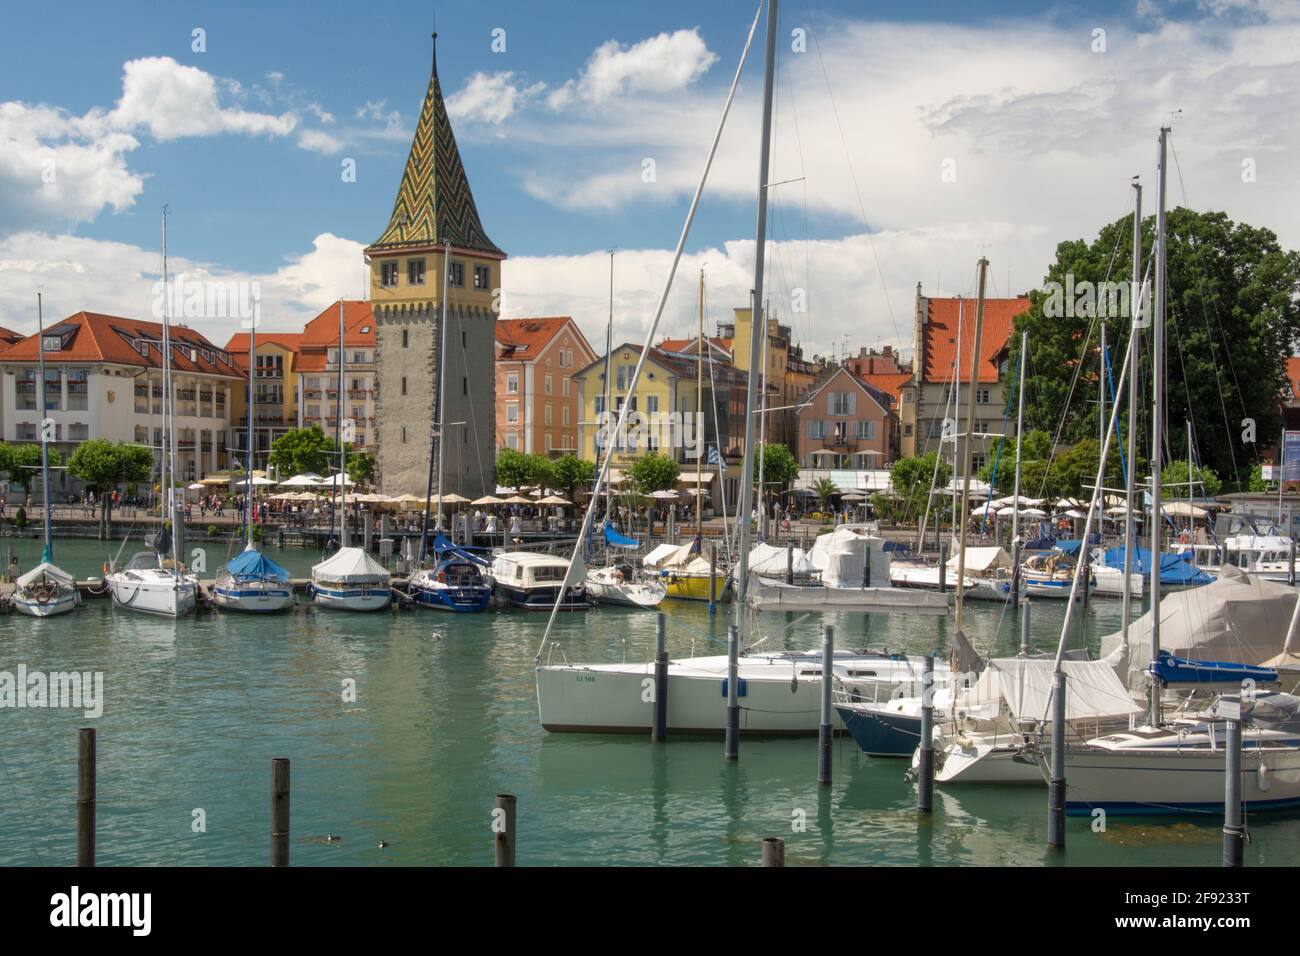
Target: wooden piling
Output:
{"points": [[773, 851], [280, 811], [86, 797], [659, 726], [503, 826]]}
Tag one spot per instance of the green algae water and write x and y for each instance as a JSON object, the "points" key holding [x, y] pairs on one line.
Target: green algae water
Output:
{"points": [[445, 718]]}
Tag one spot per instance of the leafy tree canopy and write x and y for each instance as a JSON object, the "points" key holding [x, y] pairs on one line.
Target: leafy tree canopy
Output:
{"points": [[655, 472]]}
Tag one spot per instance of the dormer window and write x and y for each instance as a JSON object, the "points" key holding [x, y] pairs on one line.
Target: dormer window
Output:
{"points": [[51, 343]]}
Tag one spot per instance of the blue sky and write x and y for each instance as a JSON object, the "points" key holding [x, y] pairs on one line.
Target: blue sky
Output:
{"points": [[548, 179]]}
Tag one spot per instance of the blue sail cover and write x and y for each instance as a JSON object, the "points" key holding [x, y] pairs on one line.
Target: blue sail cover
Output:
{"points": [[1176, 570], [254, 565], [1178, 670], [612, 537], [444, 548]]}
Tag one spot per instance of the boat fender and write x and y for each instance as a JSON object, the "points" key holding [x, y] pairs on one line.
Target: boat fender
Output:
{"points": [[107, 568], [43, 596], [1264, 782], [794, 680]]}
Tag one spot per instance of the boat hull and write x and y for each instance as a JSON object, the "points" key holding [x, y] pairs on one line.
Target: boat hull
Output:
{"points": [[60, 603], [778, 694], [542, 598], [253, 597], [691, 587], [470, 600], [352, 599], [882, 734], [164, 599]]}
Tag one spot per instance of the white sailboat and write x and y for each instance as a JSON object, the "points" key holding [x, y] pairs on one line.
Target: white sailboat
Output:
{"points": [[252, 581], [349, 579], [45, 590], [155, 582]]}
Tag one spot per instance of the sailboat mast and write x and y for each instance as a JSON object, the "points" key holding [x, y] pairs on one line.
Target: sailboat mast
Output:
{"points": [[1157, 415], [168, 463], [961, 515], [746, 503], [338, 436], [1135, 301], [1020, 434], [48, 555], [609, 348], [699, 408], [252, 405], [762, 440]]}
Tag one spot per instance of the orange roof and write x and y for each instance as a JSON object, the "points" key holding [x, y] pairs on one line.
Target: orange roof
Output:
{"points": [[683, 345], [525, 338], [238, 344], [891, 383], [941, 336], [92, 337], [9, 337], [358, 323], [1293, 377]]}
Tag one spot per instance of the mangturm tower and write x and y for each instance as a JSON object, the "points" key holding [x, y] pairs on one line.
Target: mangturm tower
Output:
{"points": [[435, 234]]}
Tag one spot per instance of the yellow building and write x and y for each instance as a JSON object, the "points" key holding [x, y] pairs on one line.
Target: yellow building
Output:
{"points": [[788, 374], [667, 386], [277, 393]]}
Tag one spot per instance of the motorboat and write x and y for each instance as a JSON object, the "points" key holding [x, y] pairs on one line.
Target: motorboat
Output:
{"points": [[1051, 574], [533, 581]]}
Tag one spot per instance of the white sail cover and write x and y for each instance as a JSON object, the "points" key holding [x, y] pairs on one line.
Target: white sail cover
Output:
{"points": [[351, 566], [45, 570], [1237, 618], [769, 560], [981, 560], [841, 558], [1092, 689]]}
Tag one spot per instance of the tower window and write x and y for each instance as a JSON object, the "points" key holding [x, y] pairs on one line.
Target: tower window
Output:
{"points": [[405, 338], [457, 275], [415, 272], [482, 277], [403, 384], [388, 274]]}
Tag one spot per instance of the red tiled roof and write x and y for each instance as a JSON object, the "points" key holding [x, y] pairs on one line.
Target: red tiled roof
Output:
{"points": [[525, 338], [108, 338], [941, 333], [358, 323], [891, 383], [1293, 377], [684, 345], [238, 344], [8, 337]]}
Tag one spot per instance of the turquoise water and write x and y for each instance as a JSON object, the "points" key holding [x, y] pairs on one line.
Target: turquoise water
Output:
{"points": [[446, 718]]}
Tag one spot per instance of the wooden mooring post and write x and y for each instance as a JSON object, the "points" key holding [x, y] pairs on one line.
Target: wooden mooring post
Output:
{"points": [[503, 829], [86, 797], [280, 811]]}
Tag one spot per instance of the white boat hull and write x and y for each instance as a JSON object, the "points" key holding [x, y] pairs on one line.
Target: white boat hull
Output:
{"points": [[61, 603], [778, 693], [164, 596], [253, 597], [361, 598]]}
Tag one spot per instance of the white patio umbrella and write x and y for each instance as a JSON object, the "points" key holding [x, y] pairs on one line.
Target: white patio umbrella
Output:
{"points": [[488, 500], [557, 500], [664, 495], [334, 480], [1033, 513], [308, 480], [518, 500]]}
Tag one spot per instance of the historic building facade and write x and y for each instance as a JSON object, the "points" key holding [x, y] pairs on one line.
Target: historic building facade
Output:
{"points": [[538, 407], [435, 240]]}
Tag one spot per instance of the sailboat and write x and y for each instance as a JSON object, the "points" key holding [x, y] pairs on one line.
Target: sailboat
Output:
{"points": [[349, 579], [45, 590], [619, 582], [1177, 765], [252, 581], [155, 582]]}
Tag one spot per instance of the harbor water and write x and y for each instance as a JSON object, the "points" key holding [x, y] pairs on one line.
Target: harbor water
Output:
{"points": [[445, 718]]}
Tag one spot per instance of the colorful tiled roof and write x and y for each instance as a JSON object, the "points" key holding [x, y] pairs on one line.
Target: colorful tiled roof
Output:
{"points": [[890, 383], [434, 203], [93, 337], [940, 331], [238, 344]]}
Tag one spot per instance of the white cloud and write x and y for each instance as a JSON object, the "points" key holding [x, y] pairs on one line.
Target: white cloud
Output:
{"points": [[173, 100], [660, 64], [490, 98], [75, 273], [319, 141], [320, 113]]}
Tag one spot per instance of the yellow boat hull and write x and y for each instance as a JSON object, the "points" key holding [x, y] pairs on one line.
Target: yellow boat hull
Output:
{"points": [[693, 587]]}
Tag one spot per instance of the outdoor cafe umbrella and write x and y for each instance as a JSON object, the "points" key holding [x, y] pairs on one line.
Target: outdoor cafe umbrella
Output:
{"points": [[517, 500], [557, 500], [308, 480], [488, 500]]}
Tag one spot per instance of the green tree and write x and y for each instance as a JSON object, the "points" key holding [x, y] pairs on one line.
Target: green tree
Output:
{"points": [[1233, 314], [654, 472], [303, 450], [23, 462], [779, 466], [360, 465], [909, 480], [570, 471], [103, 465], [518, 470], [1257, 482], [1173, 482]]}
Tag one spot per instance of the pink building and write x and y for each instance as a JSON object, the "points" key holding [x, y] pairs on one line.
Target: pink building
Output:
{"points": [[846, 424]]}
